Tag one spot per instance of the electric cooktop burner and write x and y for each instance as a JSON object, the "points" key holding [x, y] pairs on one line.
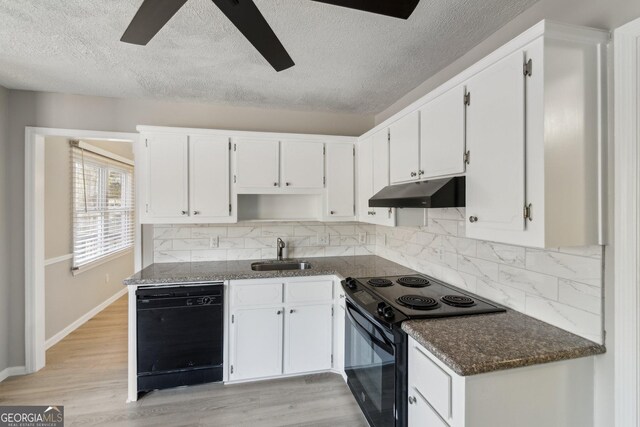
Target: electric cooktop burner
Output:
{"points": [[458, 300], [380, 283], [413, 282], [418, 302]]}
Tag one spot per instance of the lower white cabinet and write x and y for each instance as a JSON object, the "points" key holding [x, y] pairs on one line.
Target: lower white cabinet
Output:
{"points": [[308, 338], [280, 327], [557, 394], [256, 343]]}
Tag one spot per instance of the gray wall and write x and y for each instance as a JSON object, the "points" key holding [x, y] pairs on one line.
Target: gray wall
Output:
{"points": [[4, 226], [112, 114], [69, 297], [603, 14]]}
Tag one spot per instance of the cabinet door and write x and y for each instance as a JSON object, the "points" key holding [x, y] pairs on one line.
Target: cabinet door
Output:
{"points": [[420, 412], [340, 198], [442, 139], [257, 163], [495, 139], [256, 343], [308, 338], [405, 148], [365, 179], [209, 177], [338, 337], [167, 176], [381, 216], [302, 164]]}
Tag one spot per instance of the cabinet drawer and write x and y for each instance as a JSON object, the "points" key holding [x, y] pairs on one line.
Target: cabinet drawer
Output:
{"points": [[260, 294], [421, 413], [316, 291], [430, 381]]}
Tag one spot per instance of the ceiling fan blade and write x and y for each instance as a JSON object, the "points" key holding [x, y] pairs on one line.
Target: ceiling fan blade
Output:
{"points": [[247, 18], [149, 19], [395, 8]]}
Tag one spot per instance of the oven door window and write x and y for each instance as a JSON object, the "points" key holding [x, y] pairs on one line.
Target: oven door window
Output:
{"points": [[370, 368]]}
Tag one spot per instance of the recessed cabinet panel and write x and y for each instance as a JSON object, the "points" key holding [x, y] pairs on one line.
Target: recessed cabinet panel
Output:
{"points": [[405, 149], [315, 291], [365, 179], [167, 176], [209, 177], [257, 163], [256, 343], [495, 138], [263, 293], [302, 164], [340, 199], [442, 135], [308, 338]]}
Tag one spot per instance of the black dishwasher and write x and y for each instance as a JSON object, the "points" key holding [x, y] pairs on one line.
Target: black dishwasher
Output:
{"points": [[180, 335]]}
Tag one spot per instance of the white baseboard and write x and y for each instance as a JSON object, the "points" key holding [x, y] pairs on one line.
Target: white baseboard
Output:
{"points": [[11, 371], [84, 318]]}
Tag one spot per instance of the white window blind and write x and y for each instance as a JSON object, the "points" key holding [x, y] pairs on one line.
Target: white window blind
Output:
{"points": [[103, 204]]}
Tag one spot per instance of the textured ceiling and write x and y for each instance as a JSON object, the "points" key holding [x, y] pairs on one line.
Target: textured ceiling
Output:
{"points": [[346, 60]]}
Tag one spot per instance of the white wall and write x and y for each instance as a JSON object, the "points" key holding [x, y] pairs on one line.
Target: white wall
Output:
{"points": [[4, 227], [602, 14], [67, 297], [112, 114]]}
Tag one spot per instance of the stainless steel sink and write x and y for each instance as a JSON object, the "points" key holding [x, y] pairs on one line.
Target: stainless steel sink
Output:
{"points": [[280, 265]]}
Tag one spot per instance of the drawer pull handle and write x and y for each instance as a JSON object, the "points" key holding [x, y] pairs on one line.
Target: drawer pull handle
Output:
{"points": [[412, 400], [473, 219]]}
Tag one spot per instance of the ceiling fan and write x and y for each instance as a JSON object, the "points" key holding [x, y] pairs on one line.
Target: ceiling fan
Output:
{"points": [[154, 14]]}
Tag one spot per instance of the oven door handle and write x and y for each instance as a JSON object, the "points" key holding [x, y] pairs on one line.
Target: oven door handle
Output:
{"points": [[386, 345]]}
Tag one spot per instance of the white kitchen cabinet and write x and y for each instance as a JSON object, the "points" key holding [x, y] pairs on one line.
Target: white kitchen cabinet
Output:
{"points": [[404, 158], [255, 342], [365, 179], [340, 191], [442, 135], [302, 164], [381, 216], [523, 397], [308, 338], [209, 186], [257, 163], [496, 142], [167, 174]]}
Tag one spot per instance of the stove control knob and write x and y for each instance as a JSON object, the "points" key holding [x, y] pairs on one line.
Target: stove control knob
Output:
{"points": [[381, 306], [388, 313], [350, 282]]}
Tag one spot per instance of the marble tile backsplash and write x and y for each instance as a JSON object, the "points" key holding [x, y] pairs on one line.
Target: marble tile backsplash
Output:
{"points": [[185, 243], [561, 286]]}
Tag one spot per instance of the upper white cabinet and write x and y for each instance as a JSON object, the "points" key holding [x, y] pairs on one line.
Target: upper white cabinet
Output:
{"points": [[373, 176], [257, 163], [166, 160], [340, 192], [405, 149], [209, 177], [496, 143], [184, 178], [302, 164], [442, 135]]}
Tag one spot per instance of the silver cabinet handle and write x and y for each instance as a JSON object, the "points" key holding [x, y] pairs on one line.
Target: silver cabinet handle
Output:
{"points": [[373, 212], [287, 184], [473, 219], [412, 400], [279, 312], [413, 174], [292, 311], [342, 296], [184, 212], [420, 172], [332, 212], [196, 212], [275, 184]]}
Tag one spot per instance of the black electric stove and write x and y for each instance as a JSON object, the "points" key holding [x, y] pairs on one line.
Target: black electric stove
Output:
{"points": [[376, 346]]}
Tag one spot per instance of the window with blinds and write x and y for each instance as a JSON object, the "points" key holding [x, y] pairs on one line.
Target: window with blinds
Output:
{"points": [[103, 204]]}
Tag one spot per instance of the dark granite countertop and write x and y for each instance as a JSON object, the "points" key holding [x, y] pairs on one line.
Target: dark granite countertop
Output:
{"points": [[472, 345], [182, 272]]}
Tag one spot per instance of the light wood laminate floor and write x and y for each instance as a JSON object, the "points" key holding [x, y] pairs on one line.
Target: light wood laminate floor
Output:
{"points": [[87, 373]]}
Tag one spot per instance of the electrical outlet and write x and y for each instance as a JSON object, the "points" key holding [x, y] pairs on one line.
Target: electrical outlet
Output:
{"points": [[214, 242], [323, 239], [362, 238]]}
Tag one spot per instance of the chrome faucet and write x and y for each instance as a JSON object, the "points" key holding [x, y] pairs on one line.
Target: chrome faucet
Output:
{"points": [[280, 246]]}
